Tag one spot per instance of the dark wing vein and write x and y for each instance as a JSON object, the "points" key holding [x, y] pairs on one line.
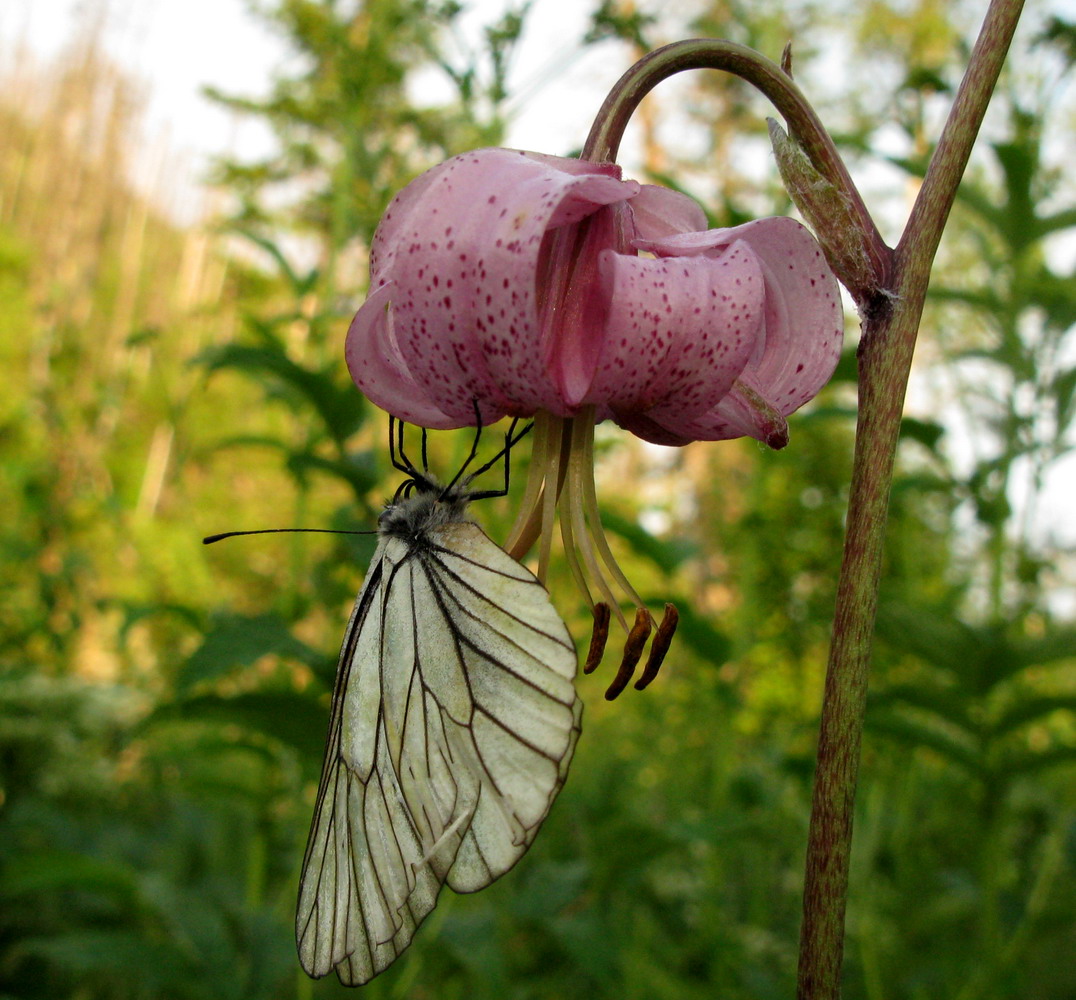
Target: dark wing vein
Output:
{"points": [[444, 569], [475, 721], [461, 611]]}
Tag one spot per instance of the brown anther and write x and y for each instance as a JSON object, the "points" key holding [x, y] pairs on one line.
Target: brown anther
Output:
{"points": [[633, 649], [660, 646], [598, 638]]}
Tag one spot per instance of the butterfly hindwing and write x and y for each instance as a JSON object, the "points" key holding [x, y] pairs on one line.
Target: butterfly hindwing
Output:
{"points": [[520, 665], [454, 719]]}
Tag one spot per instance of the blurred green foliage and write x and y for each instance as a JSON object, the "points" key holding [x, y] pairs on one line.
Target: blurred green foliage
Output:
{"points": [[163, 707]]}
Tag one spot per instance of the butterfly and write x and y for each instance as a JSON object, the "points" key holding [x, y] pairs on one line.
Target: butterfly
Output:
{"points": [[454, 718]]}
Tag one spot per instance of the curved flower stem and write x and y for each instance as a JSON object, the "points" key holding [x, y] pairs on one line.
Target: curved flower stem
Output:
{"points": [[803, 124], [890, 297], [885, 358]]}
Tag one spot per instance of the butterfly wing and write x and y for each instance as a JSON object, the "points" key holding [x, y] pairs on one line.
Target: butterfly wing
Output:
{"points": [[454, 719], [353, 893], [517, 731]]}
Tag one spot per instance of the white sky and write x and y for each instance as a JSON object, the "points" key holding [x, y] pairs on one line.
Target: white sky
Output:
{"points": [[168, 47], [176, 47]]}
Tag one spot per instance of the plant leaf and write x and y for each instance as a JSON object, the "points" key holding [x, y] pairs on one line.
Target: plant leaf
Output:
{"points": [[236, 641]]}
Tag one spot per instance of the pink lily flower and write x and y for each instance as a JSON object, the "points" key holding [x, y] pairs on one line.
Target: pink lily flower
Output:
{"points": [[524, 284], [721, 333]]}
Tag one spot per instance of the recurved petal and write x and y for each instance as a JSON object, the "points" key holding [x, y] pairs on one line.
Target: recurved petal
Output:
{"points": [[377, 368], [804, 321], [678, 332], [660, 211], [744, 412], [399, 218], [464, 254]]}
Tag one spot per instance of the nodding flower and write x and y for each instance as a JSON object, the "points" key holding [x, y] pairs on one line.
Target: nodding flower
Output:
{"points": [[513, 283]]}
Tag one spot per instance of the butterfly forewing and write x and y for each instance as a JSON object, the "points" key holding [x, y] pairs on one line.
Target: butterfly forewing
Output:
{"points": [[454, 719]]}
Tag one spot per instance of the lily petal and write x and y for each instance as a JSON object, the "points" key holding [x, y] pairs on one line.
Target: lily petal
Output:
{"points": [[660, 212], [679, 331], [744, 412], [803, 324], [462, 250], [374, 361]]}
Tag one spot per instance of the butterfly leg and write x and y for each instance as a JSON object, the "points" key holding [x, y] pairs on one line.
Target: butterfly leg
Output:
{"points": [[511, 439], [399, 459]]}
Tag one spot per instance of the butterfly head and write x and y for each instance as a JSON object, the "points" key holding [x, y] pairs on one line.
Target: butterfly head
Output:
{"points": [[420, 504]]}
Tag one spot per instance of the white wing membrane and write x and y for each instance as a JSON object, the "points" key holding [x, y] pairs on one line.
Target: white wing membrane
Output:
{"points": [[454, 720]]}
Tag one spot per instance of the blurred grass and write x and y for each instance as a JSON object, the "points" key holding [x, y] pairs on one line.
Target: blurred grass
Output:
{"points": [[162, 707]]}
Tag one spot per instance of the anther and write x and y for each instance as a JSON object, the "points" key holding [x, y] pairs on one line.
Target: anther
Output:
{"points": [[598, 638], [633, 649], [660, 646]]}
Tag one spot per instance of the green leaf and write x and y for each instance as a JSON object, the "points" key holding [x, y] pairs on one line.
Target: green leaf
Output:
{"points": [[923, 483], [342, 410], [237, 641], [711, 645], [299, 719], [135, 613], [936, 637], [1057, 646], [847, 368], [360, 470], [65, 870], [948, 703], [1030, 762], [1063, 388], [301, 285], [899, 726], [926, 432], [155, 966], [831, 412], [668, 554], [1029, 710]]}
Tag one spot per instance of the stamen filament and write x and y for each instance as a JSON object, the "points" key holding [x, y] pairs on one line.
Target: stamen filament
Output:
{"points": [[544, 453], [562, 474], [549, 514], [586, 446], [572, 557], [577, 472]]}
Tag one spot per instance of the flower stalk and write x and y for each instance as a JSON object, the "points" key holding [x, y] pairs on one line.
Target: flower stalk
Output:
{"points": [[776, 83], [889, 288], [885, 358]]}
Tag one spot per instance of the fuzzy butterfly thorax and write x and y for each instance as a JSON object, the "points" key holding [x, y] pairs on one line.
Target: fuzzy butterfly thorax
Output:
{"points": [[430, 507]]}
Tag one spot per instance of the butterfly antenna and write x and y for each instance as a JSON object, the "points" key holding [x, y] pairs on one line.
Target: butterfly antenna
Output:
{"points": [[210, 539]]}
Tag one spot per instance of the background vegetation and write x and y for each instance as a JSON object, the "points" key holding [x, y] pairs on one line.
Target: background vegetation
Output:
{"points": [[163, 707]]}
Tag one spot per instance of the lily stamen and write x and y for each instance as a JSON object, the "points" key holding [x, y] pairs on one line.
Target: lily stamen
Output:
{"points": [[562, 477], [660, 646], [598, 638], [633, 650]]}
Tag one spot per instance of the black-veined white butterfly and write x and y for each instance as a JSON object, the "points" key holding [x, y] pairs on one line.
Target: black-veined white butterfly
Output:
{"points": [[454, 718]]}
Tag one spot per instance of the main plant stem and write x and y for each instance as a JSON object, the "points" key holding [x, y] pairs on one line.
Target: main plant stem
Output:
{"points": [[885, 359], [889, 287]]}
